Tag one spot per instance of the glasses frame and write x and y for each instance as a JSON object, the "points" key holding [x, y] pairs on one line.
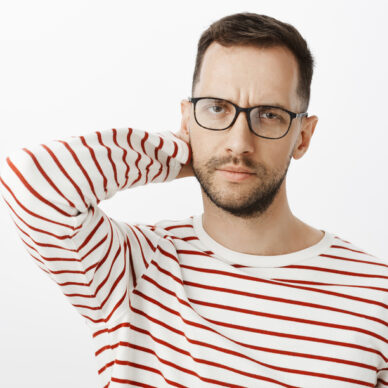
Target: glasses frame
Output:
{"points": [[247, 111]]}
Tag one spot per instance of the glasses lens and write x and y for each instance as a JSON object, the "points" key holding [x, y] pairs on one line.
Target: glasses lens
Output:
{"points": [[214, 114], [269, 122]]}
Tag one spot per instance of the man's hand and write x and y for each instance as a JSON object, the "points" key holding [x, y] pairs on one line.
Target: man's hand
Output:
{"points": [[187, 169]]}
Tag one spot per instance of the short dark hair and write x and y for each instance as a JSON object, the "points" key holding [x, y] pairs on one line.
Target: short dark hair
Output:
{"points": [[262, 31]]}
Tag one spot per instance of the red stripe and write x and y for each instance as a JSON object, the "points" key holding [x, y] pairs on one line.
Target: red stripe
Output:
{"points": [[123, 157], [152, 246], [137, 160], [131, 264], [147, 168], [92, 154], [39, 244], [94, 248], [330, 270], [350, 249], [130, 131], [110, 159], [66, 236], [91, 234], [132, 382], [168, 160], [157, 149], [48, 179], [145, 367], [172, 365], [33, 191], [329, 284], [32, 213], [102, 261], [175, 149], [48, 258], [115, 283], [167, 254], [189, 149], [79, 164], [140, 246], [101, 285], [64, 172], [354, 260], [191, 252], [162, 270], [105, 320], [39, 261], [178, 226]]}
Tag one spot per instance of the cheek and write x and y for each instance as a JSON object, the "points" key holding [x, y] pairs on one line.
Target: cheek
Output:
{"points": [[276, 155], [205, 155], [200, 152], [200, 144]]}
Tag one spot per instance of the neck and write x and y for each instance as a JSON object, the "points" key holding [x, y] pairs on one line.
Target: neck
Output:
{"points": [[275, 232]]}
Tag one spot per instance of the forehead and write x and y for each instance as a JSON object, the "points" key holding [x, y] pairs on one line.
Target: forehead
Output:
{"points": [[249, 75]]}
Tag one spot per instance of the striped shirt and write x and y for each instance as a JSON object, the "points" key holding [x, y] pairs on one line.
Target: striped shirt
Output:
{"points": [[168, 306]]}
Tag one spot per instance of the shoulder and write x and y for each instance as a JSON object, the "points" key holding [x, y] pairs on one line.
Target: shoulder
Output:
{"points": [[360, 259]]}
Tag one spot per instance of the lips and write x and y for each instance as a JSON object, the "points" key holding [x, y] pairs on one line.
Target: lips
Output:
{"points": [[236, 169]]}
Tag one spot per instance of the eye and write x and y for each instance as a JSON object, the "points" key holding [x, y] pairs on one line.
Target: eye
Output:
{"points": [[271, 115], [218, 108]]}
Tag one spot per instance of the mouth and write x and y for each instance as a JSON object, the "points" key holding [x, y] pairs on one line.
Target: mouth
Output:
{"points": [[239, 169], [235, 176]]}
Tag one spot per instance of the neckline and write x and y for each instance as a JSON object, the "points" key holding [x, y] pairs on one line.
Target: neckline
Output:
{"points": [[235, 257]]}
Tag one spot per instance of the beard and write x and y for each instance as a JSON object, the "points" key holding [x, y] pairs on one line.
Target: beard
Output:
{"points": [[246, 199]]}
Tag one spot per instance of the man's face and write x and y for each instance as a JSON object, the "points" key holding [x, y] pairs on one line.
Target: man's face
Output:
{"points": [[247, 76]]}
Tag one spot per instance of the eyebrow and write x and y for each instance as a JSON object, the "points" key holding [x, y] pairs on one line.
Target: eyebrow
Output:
{"points": [[266, 104], [276, 105]]}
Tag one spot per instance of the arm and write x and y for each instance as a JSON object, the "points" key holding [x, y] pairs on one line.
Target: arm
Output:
{"points": [[53, 190]]}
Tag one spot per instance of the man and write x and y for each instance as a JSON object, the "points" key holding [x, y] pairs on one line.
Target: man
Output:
{"points": [[243, 295]]}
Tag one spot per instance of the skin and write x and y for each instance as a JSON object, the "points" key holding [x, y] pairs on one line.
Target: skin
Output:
{"points": [[236, 213]]}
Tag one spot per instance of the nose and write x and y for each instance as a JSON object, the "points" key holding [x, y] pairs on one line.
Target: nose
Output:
{"points": [[239, 138]]}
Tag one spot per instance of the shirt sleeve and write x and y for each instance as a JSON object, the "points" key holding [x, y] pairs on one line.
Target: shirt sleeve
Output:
{"points": [[52, 191]]}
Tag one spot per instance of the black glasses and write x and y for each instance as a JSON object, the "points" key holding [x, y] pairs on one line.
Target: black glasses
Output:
{"points": [[217, 114]]}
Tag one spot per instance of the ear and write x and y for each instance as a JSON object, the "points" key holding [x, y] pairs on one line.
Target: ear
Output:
{"points": [[303, 141], [185, 121]]}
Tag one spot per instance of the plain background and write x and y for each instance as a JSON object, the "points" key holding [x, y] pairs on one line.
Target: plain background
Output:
{"points": [[72, 67]]}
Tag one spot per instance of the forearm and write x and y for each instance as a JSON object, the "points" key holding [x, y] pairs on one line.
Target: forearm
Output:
{"points": [[80, 171]]}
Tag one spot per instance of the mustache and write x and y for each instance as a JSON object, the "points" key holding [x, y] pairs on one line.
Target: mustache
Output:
{"points": [[215, 163]]}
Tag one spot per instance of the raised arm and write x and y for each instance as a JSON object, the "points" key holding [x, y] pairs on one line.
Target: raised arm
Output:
{"points": [[53, 190]]}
